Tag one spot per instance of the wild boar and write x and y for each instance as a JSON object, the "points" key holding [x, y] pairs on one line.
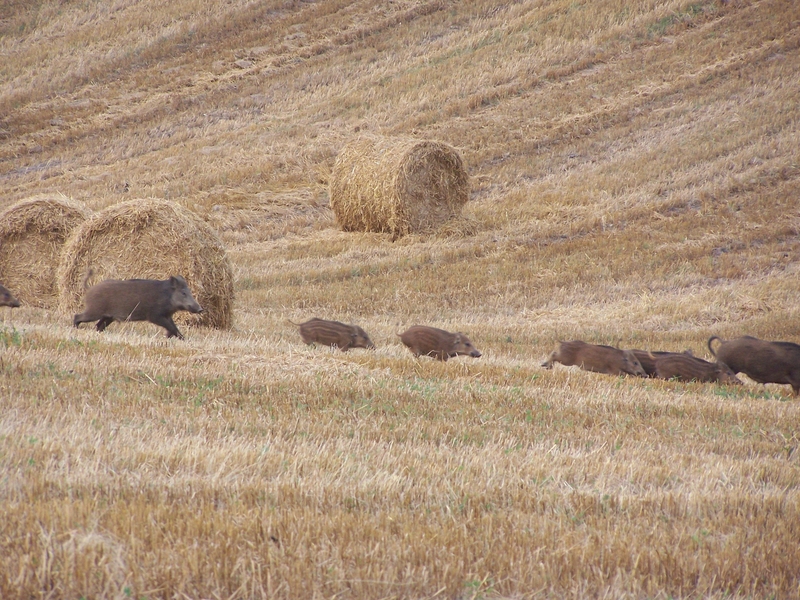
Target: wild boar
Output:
{"points": [[138, 300], [438, 343], [334, 333], [691, 368], [599, 359], [648, 359], [760, 360], [7, 298]]}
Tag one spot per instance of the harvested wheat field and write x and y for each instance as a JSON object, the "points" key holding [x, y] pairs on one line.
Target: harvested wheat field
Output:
{"points": [[633, 181]]}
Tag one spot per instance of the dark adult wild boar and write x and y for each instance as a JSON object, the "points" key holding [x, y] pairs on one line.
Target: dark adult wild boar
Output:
{"points": [[437, 343], [691, 368], [599, 359], [7, 298], [761, 361], [138, 300], [648, 359], [334, 333]]}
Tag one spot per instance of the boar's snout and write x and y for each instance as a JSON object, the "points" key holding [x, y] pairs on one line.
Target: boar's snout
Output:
{"points": [[182, 298], [726, 375], [361, 339], [463, 345], [632, 365], [189, 304], [7, 298]]}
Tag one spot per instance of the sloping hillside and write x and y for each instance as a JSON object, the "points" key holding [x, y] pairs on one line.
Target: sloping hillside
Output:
{"points": [[634, 181], [615, 151]]}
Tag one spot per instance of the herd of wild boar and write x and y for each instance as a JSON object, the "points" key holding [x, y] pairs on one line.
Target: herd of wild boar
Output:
{"points": [[157, 301]]}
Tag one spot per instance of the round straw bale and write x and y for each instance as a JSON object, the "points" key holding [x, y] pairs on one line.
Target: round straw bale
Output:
{"points": [[150, 239], [32, 234], [397, 185]]}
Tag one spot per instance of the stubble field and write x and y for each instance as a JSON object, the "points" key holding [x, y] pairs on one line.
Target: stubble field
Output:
{"points": [[634, 181]]}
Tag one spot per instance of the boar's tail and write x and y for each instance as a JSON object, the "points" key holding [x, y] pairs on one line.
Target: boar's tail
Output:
{"points": [[711, 339], [89, 273], [293, 323]]}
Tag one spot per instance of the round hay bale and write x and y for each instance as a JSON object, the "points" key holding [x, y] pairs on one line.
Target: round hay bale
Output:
{"points": [[32, 234], [150, 239], [397, 185]]}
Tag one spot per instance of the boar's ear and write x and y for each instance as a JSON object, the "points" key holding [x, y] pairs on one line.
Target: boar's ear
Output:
{"points": [[457, 339]]}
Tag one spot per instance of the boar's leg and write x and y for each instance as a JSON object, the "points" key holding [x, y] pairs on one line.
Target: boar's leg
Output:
{"points": [[104, 322], [167, 323], [81, 318]]}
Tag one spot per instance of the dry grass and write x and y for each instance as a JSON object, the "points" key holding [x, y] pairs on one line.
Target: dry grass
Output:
{"points": [[634, 181]]}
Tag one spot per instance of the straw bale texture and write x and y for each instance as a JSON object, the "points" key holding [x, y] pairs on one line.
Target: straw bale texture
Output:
{"points": [[397, 185], [150, 239], [32, 234]]}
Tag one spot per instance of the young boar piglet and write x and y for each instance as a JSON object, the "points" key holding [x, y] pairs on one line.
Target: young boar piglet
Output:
{"points": [[691, 368], [334, 334], [648, 359], [438, 343], [595, 358]]}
